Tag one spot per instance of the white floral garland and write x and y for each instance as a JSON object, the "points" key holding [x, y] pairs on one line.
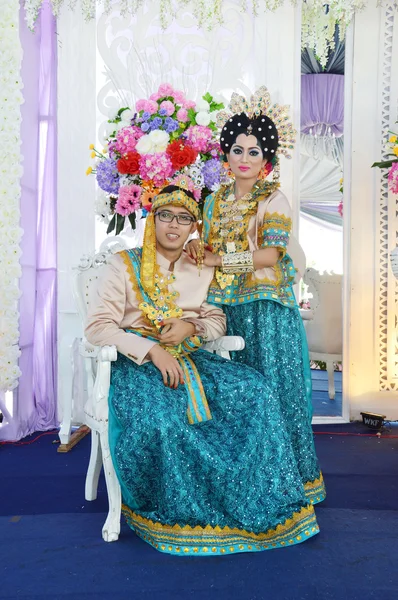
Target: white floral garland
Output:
{"points": [[319, 17], [10, 192]]}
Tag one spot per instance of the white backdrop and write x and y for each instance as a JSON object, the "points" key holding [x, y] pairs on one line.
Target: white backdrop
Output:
{"points": [[134, 55]]}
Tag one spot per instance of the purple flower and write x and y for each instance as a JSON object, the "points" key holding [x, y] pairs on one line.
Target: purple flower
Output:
{"points": [[170, 125], [162, 112], [211, 172], [108, 176], [156, 123], [146, 115], [145, 126]]}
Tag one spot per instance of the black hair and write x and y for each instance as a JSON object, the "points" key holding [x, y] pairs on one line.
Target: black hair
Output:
{"points": [[261, 127], [169, 189]]}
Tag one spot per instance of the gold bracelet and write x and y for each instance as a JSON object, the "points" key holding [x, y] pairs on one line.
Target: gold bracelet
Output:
{"points": [[237, 262]]}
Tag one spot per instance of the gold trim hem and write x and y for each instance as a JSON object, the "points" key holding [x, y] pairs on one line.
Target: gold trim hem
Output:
{"points": [[176, 539]]}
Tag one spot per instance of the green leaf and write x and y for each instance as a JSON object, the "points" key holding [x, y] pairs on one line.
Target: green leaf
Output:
{"points": [[216, 106], [112, 224], [191, 115], [119, 112], [119, 223], [383, 165], [208, 97], [132, 220]]}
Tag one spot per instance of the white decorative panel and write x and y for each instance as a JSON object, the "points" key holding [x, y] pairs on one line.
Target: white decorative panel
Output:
{"points": [[388, 222], [135, 56]]}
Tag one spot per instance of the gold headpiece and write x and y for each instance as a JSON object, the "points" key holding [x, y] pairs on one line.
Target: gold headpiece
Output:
{"points": [[260, 104], [148, 260]]}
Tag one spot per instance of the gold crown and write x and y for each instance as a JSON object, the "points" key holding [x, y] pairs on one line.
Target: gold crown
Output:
{"points": [[260, 104]]}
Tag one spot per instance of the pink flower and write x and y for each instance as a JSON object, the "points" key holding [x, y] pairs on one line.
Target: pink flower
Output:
{"points": [[340, 208], [168, 107], [151, 106], [155, 97], [199, 137], [140, 105], [127, 138], [156, 167], [179, 97], [189, 104], [393, 178], [128, 200], [165, 89], [182, 115]]}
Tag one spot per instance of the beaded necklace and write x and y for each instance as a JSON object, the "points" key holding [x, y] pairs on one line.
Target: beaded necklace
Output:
{"points": [[231, 217], [228, 230]]}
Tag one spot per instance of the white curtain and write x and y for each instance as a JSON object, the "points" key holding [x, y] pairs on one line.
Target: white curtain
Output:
{"points": [[319, 191]]}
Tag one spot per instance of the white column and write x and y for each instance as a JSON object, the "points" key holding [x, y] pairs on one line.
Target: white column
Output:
{"points": [[370, 292]]}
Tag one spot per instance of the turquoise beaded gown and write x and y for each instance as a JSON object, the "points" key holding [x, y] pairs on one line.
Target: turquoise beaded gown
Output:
{"points": [[261, 308], [227, 485]]}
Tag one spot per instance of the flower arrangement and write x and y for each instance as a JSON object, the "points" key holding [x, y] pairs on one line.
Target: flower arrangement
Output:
{"points": [[168, 139], [391, 163]]}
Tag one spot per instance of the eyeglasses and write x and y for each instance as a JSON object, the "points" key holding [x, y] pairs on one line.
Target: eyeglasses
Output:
{"points": [[168, 217]]}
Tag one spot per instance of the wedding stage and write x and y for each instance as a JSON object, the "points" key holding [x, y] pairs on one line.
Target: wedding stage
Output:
{"points": [[163, 72], [51, 545]]}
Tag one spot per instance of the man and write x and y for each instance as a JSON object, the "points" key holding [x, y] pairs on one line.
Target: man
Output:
{"points": [[204, 465]]}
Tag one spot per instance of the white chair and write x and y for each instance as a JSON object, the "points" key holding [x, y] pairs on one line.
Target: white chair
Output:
{"points": [[98, 371], [324, 328]]}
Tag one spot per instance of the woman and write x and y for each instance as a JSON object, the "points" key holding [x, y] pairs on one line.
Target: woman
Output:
{"points": [[246, 233], [205, 466]]}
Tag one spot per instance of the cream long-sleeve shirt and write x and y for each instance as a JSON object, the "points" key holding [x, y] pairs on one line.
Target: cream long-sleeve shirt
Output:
{"points": [[113, 308]]}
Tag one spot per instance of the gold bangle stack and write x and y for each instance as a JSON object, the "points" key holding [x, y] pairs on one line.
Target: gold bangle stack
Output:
{"points": [[237, 262]]}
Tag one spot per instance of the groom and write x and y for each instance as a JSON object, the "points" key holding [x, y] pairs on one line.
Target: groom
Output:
{"points": [[204, 463]]}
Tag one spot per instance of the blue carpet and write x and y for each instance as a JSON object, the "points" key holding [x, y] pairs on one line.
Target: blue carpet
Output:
{"points": [[51, 545]]}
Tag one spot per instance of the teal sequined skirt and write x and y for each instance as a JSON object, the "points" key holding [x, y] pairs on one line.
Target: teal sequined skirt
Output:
{"points": [[227, 485], [276, 346]]}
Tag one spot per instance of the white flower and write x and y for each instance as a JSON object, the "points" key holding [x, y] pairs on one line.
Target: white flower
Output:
{"points": [[213, 115], [110, 128], [202, 105], [145, 145], [159, 139], [10, 190], [202, 118], [102, 206], [112, 113], [127, 115]]}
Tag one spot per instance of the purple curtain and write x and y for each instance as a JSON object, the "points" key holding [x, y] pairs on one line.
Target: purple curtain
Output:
{"points": [[35, 398], [322, 104]]}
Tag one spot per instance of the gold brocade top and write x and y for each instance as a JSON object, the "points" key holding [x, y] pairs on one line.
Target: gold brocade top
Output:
{"points": [[260, 219]]}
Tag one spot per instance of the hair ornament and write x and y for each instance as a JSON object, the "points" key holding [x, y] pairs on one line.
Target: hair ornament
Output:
{"points": [[260, 105]]}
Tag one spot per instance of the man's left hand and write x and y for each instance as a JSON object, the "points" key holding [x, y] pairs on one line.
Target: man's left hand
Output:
{"points": [[176, 331]]}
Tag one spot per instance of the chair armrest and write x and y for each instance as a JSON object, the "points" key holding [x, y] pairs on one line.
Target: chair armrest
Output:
{"points": [[101, 353], [98, 361], [306, 314], [226, 343]]}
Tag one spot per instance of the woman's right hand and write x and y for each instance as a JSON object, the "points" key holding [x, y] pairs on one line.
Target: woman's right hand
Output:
{"points": [[192, 249], [168, 366]]}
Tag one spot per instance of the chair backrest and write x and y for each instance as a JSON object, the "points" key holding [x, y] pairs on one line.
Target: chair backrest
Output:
{"points": [[88, 270], [325, 330]]}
